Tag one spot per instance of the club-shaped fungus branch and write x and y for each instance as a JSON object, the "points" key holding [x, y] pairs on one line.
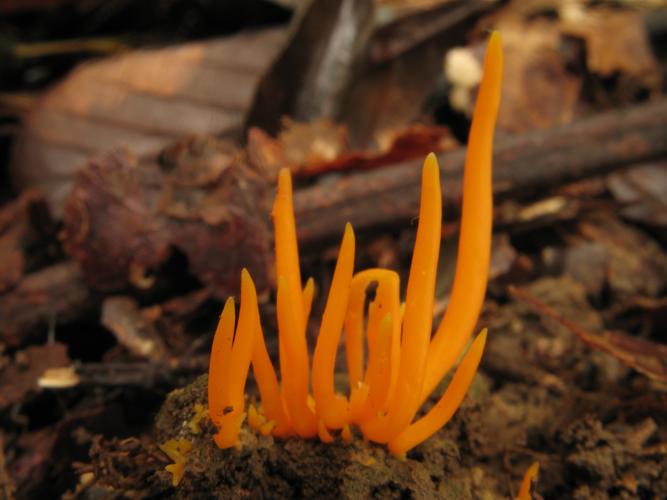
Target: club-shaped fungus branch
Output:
{"points": [[393, 361]]}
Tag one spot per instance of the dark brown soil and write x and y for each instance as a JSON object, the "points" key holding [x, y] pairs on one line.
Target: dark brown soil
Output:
{"points": [[542, 396]]}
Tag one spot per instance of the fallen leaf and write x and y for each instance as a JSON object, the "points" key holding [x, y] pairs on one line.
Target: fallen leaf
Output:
{"points": [[321, 147], [142, 100], [312, 73], [543, 92], [616, 42]]}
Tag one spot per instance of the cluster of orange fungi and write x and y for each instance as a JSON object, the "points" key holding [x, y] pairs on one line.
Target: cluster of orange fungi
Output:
{"points": [[404, 362]]}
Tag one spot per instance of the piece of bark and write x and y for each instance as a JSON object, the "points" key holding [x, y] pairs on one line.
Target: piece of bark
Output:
{"points": [[528, 216], [58, 293], [142, 100], [124, 217], [523, 166], [142, 373], [310, 77], [369, 199]]}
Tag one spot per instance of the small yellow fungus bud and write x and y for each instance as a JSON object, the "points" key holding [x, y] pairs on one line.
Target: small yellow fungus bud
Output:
{"points": [[200, 412], [255, 419], [267, 428], [176, 450], [323, 433]]}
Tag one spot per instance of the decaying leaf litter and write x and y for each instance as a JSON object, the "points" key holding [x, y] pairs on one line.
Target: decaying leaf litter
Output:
{"points": [[139, 193]]}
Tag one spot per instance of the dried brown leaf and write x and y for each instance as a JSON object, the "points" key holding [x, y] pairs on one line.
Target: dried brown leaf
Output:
{"points": [[541, 92], [616, 42], [320, 147], [142, 100]]}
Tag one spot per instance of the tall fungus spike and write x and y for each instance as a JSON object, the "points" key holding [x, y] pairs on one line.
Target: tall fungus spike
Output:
{"points": [[418, 311], [333, 408], [474, 252]]}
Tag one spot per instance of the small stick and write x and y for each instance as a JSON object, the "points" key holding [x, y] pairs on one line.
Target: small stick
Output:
{"points": [[523, 165]]}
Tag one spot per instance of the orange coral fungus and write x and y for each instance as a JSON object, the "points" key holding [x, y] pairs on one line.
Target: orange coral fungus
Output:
{"points": [[529, 478], [389, 384]]}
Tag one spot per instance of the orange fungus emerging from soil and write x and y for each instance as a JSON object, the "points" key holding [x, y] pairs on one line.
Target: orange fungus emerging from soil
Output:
{"points": [[404, 363]]}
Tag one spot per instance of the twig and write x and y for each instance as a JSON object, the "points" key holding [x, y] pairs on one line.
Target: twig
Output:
{"points": [[523, 165], [140, 373]]}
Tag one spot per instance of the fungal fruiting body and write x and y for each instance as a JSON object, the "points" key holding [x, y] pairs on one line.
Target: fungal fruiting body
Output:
{"points": [[404, 363], [529, 478]]}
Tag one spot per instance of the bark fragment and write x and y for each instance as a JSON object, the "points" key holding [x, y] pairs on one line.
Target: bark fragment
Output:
{"points": [[125, 215]]}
